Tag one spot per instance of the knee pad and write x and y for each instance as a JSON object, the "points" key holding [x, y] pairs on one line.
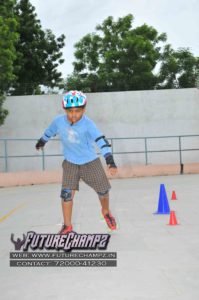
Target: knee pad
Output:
{"points": [[66, 195], [103, 194]]}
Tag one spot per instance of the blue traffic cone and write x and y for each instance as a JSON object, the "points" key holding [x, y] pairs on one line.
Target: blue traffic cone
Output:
{"points": [[163, 205]]}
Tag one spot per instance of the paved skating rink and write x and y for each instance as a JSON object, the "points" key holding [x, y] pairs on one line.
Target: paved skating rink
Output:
{"points": [[154, 261]]}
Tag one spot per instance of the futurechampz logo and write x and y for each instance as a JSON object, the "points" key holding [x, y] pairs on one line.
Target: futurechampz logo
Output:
{"points": [[67, 242]]}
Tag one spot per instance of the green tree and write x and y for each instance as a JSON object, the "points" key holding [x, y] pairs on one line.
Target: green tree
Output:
{"points": [[8, 38], [117, 58], [179, 69], [38, 53]]}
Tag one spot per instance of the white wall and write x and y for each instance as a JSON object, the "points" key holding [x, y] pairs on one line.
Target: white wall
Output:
{"points": [[117, 114]]}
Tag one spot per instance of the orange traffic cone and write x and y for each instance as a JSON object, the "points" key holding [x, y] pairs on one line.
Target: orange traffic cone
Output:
{"points": [[173, 196], [173, 220]]}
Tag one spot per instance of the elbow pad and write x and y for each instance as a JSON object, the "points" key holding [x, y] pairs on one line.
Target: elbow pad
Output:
{"points": [[103, 142]]}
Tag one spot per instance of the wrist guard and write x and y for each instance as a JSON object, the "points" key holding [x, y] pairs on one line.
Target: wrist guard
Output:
{"points": [[110, 161], [40, 144]]}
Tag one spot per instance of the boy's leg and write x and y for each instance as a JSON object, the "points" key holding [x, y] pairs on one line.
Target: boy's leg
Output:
{"points": [[110, 220], [70, 183], [104, 200], [94, 175], [67, 207]]}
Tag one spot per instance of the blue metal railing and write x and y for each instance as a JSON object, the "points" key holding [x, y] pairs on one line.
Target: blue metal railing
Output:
{"points": [[145, 150]]}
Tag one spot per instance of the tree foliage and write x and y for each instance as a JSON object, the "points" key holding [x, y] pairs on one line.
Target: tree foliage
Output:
{"points": [[38, 52], [179, 69], [118, 57], [8, 38]]}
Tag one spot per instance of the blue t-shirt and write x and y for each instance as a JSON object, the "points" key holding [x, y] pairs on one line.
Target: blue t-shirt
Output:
{"points": [[77, 139]]}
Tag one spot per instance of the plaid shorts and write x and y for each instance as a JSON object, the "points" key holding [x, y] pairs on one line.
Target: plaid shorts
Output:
{"points": [[92, 173]]}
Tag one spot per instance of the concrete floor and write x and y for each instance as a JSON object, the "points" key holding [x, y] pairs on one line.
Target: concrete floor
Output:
{"points": [[155, 261]]}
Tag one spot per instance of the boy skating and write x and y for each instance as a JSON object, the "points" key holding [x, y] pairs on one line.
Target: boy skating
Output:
{"points": [[77, 133]]}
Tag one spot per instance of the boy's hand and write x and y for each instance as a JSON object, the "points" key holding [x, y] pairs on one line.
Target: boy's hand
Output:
{"points": [[112, 171], [40, 144], [111, 164]]}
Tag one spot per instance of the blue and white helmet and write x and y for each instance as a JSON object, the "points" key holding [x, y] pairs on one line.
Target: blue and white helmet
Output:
{"points": [[74, 99]]}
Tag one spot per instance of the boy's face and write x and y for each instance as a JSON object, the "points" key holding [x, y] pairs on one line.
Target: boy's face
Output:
{"points": [[74, 114]]}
